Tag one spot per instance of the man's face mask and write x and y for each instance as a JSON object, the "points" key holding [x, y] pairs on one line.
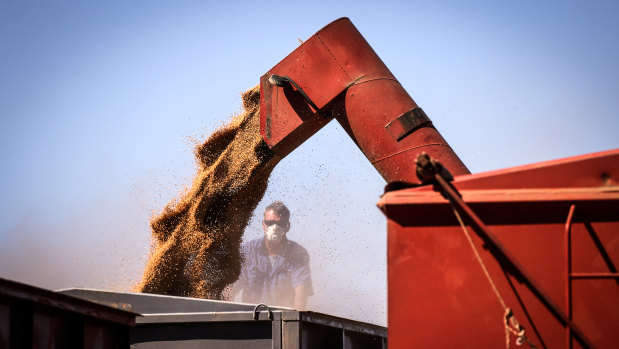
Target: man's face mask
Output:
{"points": [[275, 233]]}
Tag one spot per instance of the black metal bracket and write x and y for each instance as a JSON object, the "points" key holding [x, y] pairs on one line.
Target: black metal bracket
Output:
{"points": [[284, 81], [406, 123], [427, 168], [256, 313]]}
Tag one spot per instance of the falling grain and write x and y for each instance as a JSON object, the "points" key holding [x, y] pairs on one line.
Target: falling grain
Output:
{"points": [[198, 236]]}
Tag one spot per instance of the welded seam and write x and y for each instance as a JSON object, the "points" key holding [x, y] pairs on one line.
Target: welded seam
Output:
{"points": [[405, 150], [332, 55], [374, 79]]}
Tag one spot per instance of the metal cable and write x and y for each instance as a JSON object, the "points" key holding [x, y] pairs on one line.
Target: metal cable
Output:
{"points": [[509, 318]]}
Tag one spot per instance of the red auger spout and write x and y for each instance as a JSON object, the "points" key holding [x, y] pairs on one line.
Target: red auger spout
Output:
{"points": [[336, 74]]}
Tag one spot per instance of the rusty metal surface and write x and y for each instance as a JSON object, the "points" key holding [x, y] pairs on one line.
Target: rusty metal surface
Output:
{"points": [[342, 74], [437, 292], [342, 323]]}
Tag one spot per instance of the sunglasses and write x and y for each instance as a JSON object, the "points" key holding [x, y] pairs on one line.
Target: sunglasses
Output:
{"points": [[280, 223]]}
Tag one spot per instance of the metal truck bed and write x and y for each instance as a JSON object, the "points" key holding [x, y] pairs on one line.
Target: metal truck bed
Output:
{"points": [[178, 322]]}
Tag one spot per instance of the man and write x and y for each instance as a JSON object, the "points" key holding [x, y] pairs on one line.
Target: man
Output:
{"points": [[276, 270]]}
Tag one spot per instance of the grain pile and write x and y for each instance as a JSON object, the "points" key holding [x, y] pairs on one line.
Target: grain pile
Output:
{"points": [[198, 236]]}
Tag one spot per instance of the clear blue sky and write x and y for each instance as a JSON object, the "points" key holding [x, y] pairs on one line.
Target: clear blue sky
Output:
{"points": [[100, 102]]}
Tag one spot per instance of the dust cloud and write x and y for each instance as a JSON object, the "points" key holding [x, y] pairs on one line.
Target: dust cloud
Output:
{"points": [[93, 244], [198, 236], [334, 216]]}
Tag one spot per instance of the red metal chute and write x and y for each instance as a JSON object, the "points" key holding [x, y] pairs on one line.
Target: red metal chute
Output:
{"points": [[338, 71]]}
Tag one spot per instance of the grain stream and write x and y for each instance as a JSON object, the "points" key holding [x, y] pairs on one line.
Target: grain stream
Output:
{"points": [[197, 237]]}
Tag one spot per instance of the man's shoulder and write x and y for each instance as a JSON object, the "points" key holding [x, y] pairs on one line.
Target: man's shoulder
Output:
{"points": [[253, 245], [295, 246], [295, 250]]}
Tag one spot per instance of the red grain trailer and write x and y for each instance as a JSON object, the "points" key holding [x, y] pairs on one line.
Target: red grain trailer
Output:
{"points": [[558, 222]]}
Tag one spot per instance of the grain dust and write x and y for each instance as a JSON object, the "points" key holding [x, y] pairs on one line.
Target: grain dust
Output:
{"points": [[197, 237]]}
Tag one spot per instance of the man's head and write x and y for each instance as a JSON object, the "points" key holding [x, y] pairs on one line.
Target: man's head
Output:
{"points": [[276, 222]]}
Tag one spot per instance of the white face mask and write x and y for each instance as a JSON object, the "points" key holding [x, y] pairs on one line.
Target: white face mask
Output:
{"points": [[275, 233]]}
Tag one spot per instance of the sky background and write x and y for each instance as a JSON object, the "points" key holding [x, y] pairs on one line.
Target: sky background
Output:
{"points": [[102, 103]]}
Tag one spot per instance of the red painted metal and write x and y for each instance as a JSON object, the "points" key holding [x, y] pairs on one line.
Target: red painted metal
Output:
{"points": [[344, 77], [437, 293], [568, 269], [594, 275], [508, 260]]}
